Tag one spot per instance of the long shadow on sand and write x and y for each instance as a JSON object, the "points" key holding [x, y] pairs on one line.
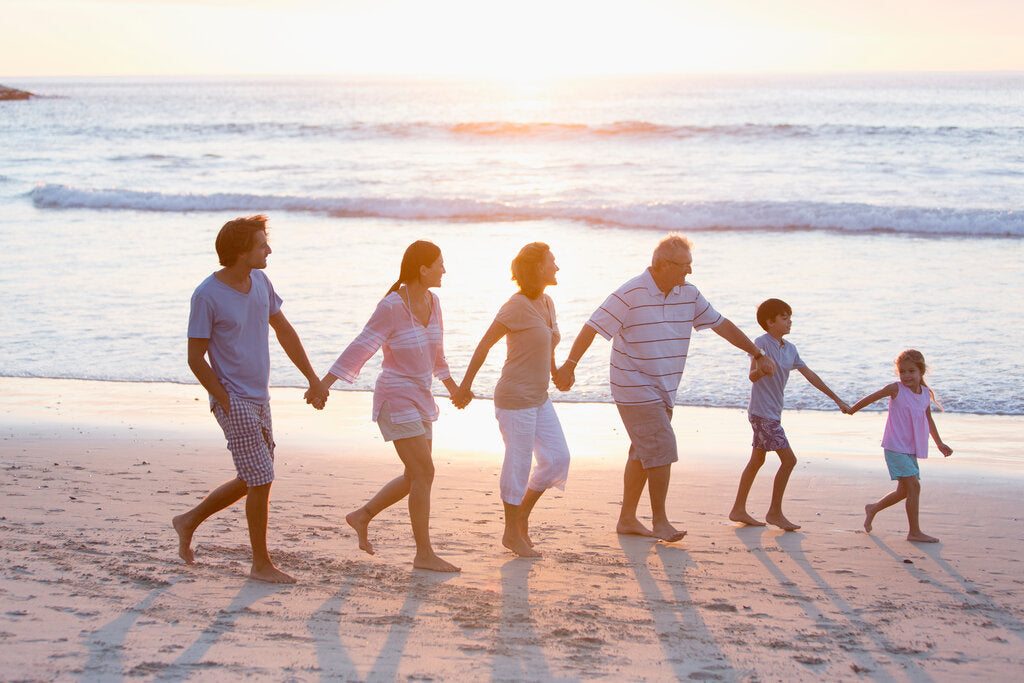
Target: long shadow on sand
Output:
{"points": [[324, 625], [106, 643], [224, 622], [974, 599], [518, 653], [791, 542], [333, 658], [672, 626]]}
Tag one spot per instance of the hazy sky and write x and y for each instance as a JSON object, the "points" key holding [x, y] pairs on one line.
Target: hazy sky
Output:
{"points": [[525, 38]]}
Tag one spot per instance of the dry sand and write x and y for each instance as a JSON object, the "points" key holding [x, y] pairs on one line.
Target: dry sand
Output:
{"points": [[92, 588]]}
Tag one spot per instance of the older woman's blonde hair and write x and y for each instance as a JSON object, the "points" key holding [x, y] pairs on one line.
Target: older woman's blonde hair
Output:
{"points": [[526, 269]]}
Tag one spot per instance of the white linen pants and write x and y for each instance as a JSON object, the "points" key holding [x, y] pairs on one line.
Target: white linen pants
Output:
{"points": [[529, 432]]}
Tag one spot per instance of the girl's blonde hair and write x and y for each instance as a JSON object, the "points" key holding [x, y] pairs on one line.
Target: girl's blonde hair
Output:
{"points": [[915, 357]]}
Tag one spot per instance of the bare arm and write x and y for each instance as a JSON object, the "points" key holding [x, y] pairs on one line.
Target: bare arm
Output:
{"points": [[735, 336], [289, 340], [889, 391], [204, 373], [453, 389], [566, 375], [463, 393], [943, 448], [820, 385]]}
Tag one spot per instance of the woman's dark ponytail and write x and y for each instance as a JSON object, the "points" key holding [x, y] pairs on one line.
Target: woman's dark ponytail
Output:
{"points": [[419, 253]]}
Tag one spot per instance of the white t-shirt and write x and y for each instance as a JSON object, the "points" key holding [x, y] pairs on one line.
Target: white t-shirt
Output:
{"points": [[650, 333]]}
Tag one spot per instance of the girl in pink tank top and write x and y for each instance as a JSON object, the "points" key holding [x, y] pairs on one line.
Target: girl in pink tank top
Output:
{"points": [[905, 438]]}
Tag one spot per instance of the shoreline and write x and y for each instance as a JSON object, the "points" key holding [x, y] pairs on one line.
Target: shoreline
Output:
{"points": [[983, 444], [93, 472]]}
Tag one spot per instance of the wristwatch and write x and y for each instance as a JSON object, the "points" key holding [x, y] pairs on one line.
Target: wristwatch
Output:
{"points": [[760, 353]]}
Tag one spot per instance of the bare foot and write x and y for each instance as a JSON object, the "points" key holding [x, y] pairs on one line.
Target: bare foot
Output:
{"points": [[519, 545], [633, 528], [184, 539], [742, 517], [524, 531], [360, 521], [668, 533], [270, 574], [869, 516], [921, 538], [780, 521], [434, 563]]}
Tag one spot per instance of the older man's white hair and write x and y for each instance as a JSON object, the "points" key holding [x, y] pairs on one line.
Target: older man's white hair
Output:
{"points": [[670, 245]]}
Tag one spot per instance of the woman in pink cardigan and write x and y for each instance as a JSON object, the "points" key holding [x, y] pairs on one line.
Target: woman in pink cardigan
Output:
{"points": [[407, 326]]}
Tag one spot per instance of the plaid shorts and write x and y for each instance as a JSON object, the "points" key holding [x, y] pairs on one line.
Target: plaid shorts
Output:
{"points": [[768, 434], [250, 439]]}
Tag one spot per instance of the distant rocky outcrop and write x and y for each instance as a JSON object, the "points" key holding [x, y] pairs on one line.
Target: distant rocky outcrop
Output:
{"points": [[12, 94]]}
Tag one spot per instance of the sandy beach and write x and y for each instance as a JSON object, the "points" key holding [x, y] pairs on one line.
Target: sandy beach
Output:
{"points": [[92, 587]]}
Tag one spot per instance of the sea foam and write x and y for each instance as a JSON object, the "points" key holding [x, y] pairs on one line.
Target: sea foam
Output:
{"points": [[706, 215]]}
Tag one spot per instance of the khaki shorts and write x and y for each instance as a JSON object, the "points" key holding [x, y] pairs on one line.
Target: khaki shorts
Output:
{"points": [[403, 430], [652, 439]]}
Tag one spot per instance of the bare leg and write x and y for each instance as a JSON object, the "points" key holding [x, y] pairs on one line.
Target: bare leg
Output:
{"points": [[257, 513], [775, 515], [185, 524], [634, 478], [913, 503], [872, 509], [525, 508], [739, 507], [392, 492], [419, 468], [657, 487], [513, 538]]}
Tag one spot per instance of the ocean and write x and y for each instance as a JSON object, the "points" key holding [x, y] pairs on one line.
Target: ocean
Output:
{"points": [[886, 209]]}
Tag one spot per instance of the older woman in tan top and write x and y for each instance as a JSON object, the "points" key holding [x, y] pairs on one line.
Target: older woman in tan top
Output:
{"points": [[525, 415]]}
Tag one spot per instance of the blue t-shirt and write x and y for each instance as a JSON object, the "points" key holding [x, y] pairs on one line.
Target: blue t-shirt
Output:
{"points": [[766, 394], [238, 327]]}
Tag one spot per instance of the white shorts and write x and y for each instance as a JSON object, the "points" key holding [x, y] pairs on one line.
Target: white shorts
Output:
{"points": [[528, 432]]}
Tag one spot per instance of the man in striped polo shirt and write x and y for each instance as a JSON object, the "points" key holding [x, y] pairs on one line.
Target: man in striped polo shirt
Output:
{"points": [[649, 320]]}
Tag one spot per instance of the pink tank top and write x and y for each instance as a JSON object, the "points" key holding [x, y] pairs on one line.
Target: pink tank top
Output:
{"points": [[906, 429]]}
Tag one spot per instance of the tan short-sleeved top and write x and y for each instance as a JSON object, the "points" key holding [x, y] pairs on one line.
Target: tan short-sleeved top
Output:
{"points": [[533, 335]]}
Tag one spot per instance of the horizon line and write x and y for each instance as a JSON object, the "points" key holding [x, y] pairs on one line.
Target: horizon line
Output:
{"points": [[511, 77]]}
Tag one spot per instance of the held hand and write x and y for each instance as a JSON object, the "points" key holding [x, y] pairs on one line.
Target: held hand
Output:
{"points": [[565, 376], [766, 366], [316, 397], [945, 450], [843, 406], [461, 398]]}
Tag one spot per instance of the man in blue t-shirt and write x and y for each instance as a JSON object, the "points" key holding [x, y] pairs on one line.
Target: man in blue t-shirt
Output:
{"points": [[229, 323]]}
